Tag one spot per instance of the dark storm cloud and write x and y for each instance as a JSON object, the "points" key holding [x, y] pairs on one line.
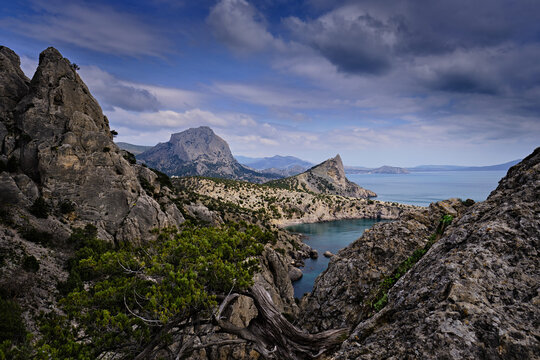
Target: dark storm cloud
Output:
{"points": [[372, 36], [359, 44], [462, 82]]}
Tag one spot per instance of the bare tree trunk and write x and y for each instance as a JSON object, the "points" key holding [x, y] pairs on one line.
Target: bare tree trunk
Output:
{"points": [[273, 336]]}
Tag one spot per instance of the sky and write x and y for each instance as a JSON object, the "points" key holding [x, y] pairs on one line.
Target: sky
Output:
{"points": [[400, 83]]}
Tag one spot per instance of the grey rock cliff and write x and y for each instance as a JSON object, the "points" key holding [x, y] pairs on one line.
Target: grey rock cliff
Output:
{"points": [[56, 133], [198, 152], [474, 294]]}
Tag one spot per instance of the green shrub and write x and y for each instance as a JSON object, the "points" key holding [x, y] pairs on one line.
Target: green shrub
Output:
{"points": [[30, 263], [163, 179], [11, 327], [130, 157], [66, 207], [39, 208], [36, 236], [468, 202]]}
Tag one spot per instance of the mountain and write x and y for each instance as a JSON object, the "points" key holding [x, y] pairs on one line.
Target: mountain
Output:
{"points": [[199, 152], [134, 149], [325, 178], [282, 166], [278, 162], [457, 280], [246, 160], [380, 170], [504, 167], [60, 148]]}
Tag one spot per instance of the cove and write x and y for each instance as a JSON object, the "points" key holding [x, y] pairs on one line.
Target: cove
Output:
{"points": [[326, 236]]}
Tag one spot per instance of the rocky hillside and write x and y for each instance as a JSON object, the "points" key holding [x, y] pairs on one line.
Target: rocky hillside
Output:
{"points": [[62, 176], [325, 178], [284, 206], [472, 295], [367, 261], [199, 151]]}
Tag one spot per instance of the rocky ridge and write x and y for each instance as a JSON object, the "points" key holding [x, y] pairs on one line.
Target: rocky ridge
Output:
{"points": [[326, 178], [199, 152], [473, 295], [287, 207]]}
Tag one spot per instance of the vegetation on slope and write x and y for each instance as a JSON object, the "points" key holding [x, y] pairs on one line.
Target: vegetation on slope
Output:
{"points": [[126, 300]]}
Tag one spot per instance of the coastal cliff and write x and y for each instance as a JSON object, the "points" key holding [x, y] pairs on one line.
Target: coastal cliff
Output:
{"points": [[473, 295]]}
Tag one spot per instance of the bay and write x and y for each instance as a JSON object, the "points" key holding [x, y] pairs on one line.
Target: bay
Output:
{"points": [[417, 188], [326, 236], [423, 188]]}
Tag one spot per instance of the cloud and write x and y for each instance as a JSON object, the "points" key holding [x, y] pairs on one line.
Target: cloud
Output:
{"points": [[28, 66], [351, 39], [113, 92], [169, 119], [97, 27], [239, 26], [277, 97]]}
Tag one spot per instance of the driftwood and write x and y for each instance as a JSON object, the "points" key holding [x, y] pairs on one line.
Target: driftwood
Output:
{"points": [[273, 336]]}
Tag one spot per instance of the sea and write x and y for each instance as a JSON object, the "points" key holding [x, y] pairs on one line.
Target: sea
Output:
{"points": [[418, 188]]}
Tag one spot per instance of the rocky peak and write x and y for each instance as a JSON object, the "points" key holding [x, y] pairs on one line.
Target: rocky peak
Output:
{"points": [[198, 151], [13, 82], [201, 142], [329, 178], [61, 99], [62, 141]]}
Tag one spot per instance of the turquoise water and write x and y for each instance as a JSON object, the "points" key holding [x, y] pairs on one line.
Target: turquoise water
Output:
{"points": [[423, 188], [420, 188], [331, 236]]}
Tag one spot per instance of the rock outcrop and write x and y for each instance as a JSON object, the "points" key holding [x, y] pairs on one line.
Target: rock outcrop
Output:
{"points": [[325, 178], [199, 152], [339, 292], [473, 295], [58, 142]]}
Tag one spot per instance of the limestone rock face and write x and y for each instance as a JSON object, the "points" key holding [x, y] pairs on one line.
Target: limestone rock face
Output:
{"points": [[338, 293], [198, 151], [62, 141], [475, 294], [326, 178]]}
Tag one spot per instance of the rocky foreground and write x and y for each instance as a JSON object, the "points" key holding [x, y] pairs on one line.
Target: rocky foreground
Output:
{"points": [[473, 295]]}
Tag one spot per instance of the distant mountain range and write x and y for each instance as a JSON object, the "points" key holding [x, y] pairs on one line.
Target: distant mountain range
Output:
{"points": [[285, 166], [134, 149], [280, 165], [504, 167], [380, 170]]}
